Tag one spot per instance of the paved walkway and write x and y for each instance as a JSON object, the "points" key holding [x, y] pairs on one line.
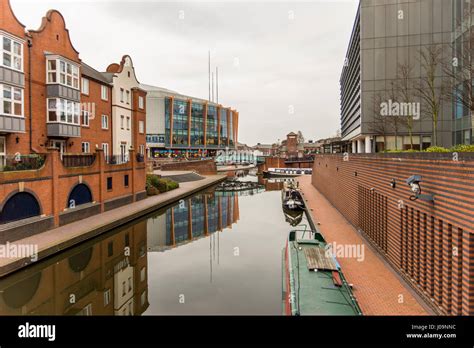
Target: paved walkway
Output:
{"points": [[58, 239], [377, 288]]}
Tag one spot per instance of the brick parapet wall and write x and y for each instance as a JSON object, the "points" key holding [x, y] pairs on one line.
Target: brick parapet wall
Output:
{"points": [[204, 167], [430, 244]]}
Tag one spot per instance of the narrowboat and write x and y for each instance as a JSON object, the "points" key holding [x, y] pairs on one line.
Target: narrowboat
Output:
{"points": [[293, 217], [313, 283], [286, 172], [291, 198]]}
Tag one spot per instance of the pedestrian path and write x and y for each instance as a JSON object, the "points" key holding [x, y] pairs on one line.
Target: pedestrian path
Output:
{"points": [[58, 239], [378, 289]]}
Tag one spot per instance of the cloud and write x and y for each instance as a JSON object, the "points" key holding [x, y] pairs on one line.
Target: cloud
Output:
{"points": [[289, 55]]}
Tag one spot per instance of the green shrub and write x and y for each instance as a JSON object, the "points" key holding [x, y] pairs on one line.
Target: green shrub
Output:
{"points": [[437, 149], [155, 184], [462, 148]]}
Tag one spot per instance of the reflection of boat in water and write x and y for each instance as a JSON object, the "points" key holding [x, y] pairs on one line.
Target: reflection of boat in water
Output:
{"points": [[286, 172], [236, 186], [293, 217], [292, 198], [313, 283]]}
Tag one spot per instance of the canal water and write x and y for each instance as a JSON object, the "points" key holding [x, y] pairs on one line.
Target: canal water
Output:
{"points": [[216, 252]]}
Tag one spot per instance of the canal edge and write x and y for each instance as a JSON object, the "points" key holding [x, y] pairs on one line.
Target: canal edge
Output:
{"points": [[62, 245]]}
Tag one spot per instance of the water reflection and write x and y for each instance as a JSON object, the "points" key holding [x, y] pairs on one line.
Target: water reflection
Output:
{"points": [[192, 219], [199, 248], [105, 277]]}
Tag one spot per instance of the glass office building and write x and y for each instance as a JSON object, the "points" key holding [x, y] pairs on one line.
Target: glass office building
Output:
{"points": [[190, 127]]}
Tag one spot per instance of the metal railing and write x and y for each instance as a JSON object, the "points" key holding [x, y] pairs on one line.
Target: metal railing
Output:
{"points": [[71, 160], [10, 163]]}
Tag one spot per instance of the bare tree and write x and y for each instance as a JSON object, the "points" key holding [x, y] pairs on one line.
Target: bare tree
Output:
{"points": [[404, 90], [381, 124], [431, 87]]}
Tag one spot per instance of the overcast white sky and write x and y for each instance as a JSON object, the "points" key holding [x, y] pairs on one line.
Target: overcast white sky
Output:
{"points": [[273, 57]]}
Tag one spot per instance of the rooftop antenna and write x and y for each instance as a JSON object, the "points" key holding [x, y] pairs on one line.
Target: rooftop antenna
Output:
{"points": [[217, 85], [209, 65], [212, 82]]}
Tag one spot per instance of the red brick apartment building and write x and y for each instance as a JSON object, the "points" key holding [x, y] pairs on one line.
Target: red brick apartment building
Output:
{"points": [[61, 158], [430, 244]]}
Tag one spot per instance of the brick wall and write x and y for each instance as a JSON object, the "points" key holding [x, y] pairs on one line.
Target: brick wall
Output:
{"points": [[52, 184], [430, 244], [204, 167]]}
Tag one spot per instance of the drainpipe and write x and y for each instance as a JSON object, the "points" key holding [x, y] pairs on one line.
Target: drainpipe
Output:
{"points": [[30, 98]]}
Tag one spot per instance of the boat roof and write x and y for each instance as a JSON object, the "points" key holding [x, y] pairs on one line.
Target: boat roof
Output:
{"points": [[315, 291]]}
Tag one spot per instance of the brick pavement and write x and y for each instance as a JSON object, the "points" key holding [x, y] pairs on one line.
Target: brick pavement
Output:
{"points": [[377, 288]]}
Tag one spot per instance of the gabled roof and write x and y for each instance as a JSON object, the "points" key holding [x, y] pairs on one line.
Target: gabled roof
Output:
{"points": [[89, 71]]}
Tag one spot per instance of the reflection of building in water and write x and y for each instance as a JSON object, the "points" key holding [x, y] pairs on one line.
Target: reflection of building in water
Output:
{"points": [[191, 219], [105, 278], [274, 184]]}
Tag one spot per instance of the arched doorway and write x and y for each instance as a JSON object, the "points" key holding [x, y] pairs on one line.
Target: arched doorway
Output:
{"points": [[81, 194], [21, 205]]}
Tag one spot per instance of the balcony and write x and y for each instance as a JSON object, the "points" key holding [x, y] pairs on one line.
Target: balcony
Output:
{"points": [[13, 163], [12, 124], [72, 160], [64, 130], [117, 159]]}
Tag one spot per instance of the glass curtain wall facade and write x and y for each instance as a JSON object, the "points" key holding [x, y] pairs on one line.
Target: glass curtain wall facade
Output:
{"points": [[180, 123], [223, 128], [388, 36], [463, 47], [212, 139], [197, 124]]}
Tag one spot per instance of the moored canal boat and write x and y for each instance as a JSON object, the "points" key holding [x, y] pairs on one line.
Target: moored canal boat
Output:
{"points": [[286, 172], [292, 198], [313, 283]]}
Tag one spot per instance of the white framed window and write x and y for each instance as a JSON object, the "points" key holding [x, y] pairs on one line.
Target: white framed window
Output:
{"points": [[106, 297], [85, 115], [143, 298], [128, 122], [64, 111], [121, 94], [105, 122], [141, 102], [62, 72], [11, 100], [85, 86], [86, 146], [142, 274], [12, 53], [105, 148], [141, 150], [141, 127], [128, 97], [122, 121], [104, 92]]}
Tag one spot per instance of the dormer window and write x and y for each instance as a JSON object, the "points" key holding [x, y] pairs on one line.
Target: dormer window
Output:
{"points": [[12, 54], [62, 72]]}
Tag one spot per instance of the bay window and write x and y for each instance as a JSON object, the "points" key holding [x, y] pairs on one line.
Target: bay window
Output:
{"points": [[12, 54], [11, 101], [64, 111], [62, 72]]}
